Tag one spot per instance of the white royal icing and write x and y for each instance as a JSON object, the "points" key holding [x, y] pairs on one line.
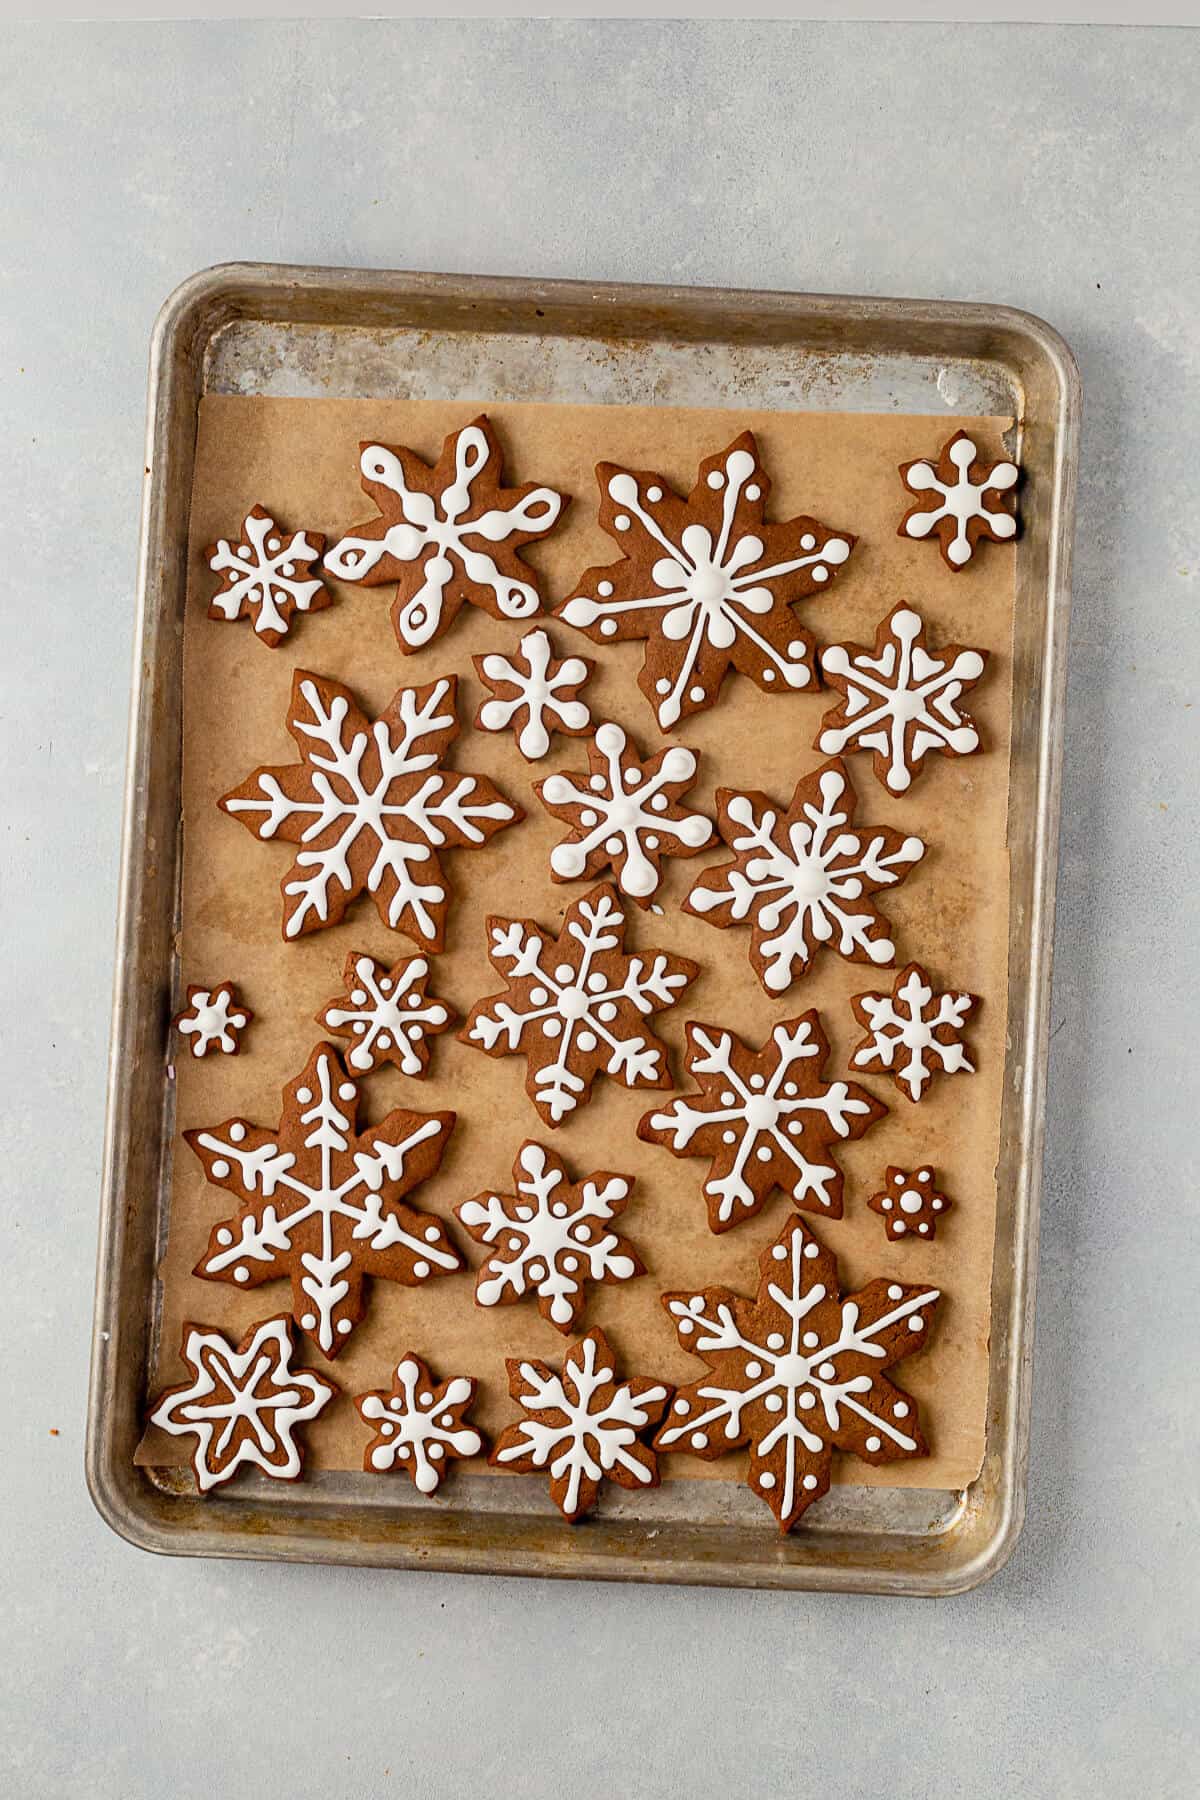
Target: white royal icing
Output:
{"points": [[386, 1012], [538, 695], [212, 1018], [418, 1429], [962, 500], [265, 570], [902, 1037]]}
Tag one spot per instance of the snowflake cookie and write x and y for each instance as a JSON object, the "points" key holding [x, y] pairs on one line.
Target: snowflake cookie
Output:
{"points": [[909, 1205], [765, 1119], [550, 1237], [577, 1004], [534, 694], [372, 805], [805, 877], [960, 497], [388, 1012], [581, 1424], [419, 1424], [624, 814], [898, 700], [267, 576], [797, 1372], [213, 1016], [324, 1203], [705, 580], [446, 534], [907, 1038], [243, 1405]]}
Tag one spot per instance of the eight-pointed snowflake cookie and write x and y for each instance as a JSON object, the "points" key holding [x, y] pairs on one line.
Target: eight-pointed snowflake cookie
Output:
{"points": [[242, 1405], [582, 1423], [213, 1018], [267, 576], [898, 700], [706, 580], [371, 806], [388, 1012], [550, 1237], [419, 1424], [804, 877], [911, 1037], [624, 814], [323, 1202], [909, 1203], [962, 497], [446, 534], [765, 1120], [797, 1372], [534, 694]]}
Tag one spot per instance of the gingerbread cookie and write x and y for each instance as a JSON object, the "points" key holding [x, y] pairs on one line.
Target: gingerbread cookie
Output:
{"points": [[706, 581], [372, 805], [267, 577], [213, 1016], [909, 1204], [419, 1425], [534, 694], [389, 1013], [907, 1038], [446, 534], [962, 497], [797, 1372]]}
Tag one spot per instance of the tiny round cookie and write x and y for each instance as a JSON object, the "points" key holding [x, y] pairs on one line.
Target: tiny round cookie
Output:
{"points": [[962, 498], [419, 1425], [267, 576], [534, 694], [909, 1204], [214, 1018]]}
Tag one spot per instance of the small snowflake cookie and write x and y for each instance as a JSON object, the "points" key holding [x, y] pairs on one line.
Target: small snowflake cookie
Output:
{"points": [[898, 700], [797, 1372], [706, 581], [267, 576], [550, 1237], [388, 1012], [446, 534], [419, 1424], [625, 814], [909, 1204], [534, 694], [804, 877], [962, 497], [213, 1018], [242, 1405], [765, 1120], [581, 1424], [909, 1036]]}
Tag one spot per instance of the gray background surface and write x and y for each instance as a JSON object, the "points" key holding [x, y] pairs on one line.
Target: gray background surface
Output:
{"points": [[1054, 169]]}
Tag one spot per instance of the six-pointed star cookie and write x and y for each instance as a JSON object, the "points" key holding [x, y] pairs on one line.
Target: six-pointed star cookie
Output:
{"points": [[388, 1012], [908, 1036], [420, 1424], [962, 497], [534, 694], [909, 1203]]}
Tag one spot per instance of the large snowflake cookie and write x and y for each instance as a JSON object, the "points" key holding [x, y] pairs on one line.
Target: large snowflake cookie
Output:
{"points": [[267, 576], [371, 805], [581, 1424], [242, 1405], [419, 1424], [766, 1119], [898, 700], [910, 1036], [797, 1372], [577, 1004], [804, 877], [323, 1202], [962, 497], [550, 1237], [388, 1012], [909, 1203], [624, 814], [706, 580], [213, 1018], [534, 694], [446, 534]]}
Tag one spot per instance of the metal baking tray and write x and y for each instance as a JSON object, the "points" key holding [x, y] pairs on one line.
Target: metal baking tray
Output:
{"points": [[261, 329]]}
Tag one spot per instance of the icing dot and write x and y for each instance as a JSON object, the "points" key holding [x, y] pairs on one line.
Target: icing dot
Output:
{"points": [[420, 1270], [811, 1250], [446, 1420], [564, 972], [766, 1480], [809, 1482], [728, 1098], [764, 1154], [916, 1323], [924, 1230], [901, 1409], [699, 1440], [716, 479], [697, 695], [402, 1451], [220, 1167], [899, 1228], [586, 1040], [753, 1370], [768, 674], [436, 1452], [344, 1326], [384, 1041], [559, 1209], [570, 1263], [309, 1321], [608, 627], [552, 1028], [237, 1131], [790, 1089], [827, 1371], [347, 1091], [820, 572], [604, 589], [681, 1406], [775, 1341], [538, 996], [359, 1026], [386, 1428], [924, 1174], [224, 1236], [779, 1252], [757, 1081], [304, 1095], [810, 1340], [241, 1274], [582, 1233], [807, 1400], [754, 492], [887, 1205], [873, 1443], [514, 1243], [685, 1327], [774, 1402], [808, 541], [797, 650], [613, 845], [622, 521], [895, 1293], [606, 1013], [595, 983], [654, 493], [662, 687], [937, 1206], [536, 1272], [729, 1137]]}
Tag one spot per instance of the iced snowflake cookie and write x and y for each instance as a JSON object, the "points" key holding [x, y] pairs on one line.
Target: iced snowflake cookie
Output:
{"points": [[797, 1372], [242, 1406], [909, 1204], [550, 1237], [446, 534], [214, 1018], [534, 694], [267, 576], [576, 1004], [388, 1012], [804, 877], [764, 1119], [625, 814], [372, 806], [910, 1037], [419, 1424], [898, 700], [706, 581], [323, 1203], [581, 1424], [962, 498]]}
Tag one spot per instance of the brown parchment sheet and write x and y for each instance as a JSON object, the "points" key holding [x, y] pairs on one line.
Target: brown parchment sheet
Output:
{"points": [[299, 459]]}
